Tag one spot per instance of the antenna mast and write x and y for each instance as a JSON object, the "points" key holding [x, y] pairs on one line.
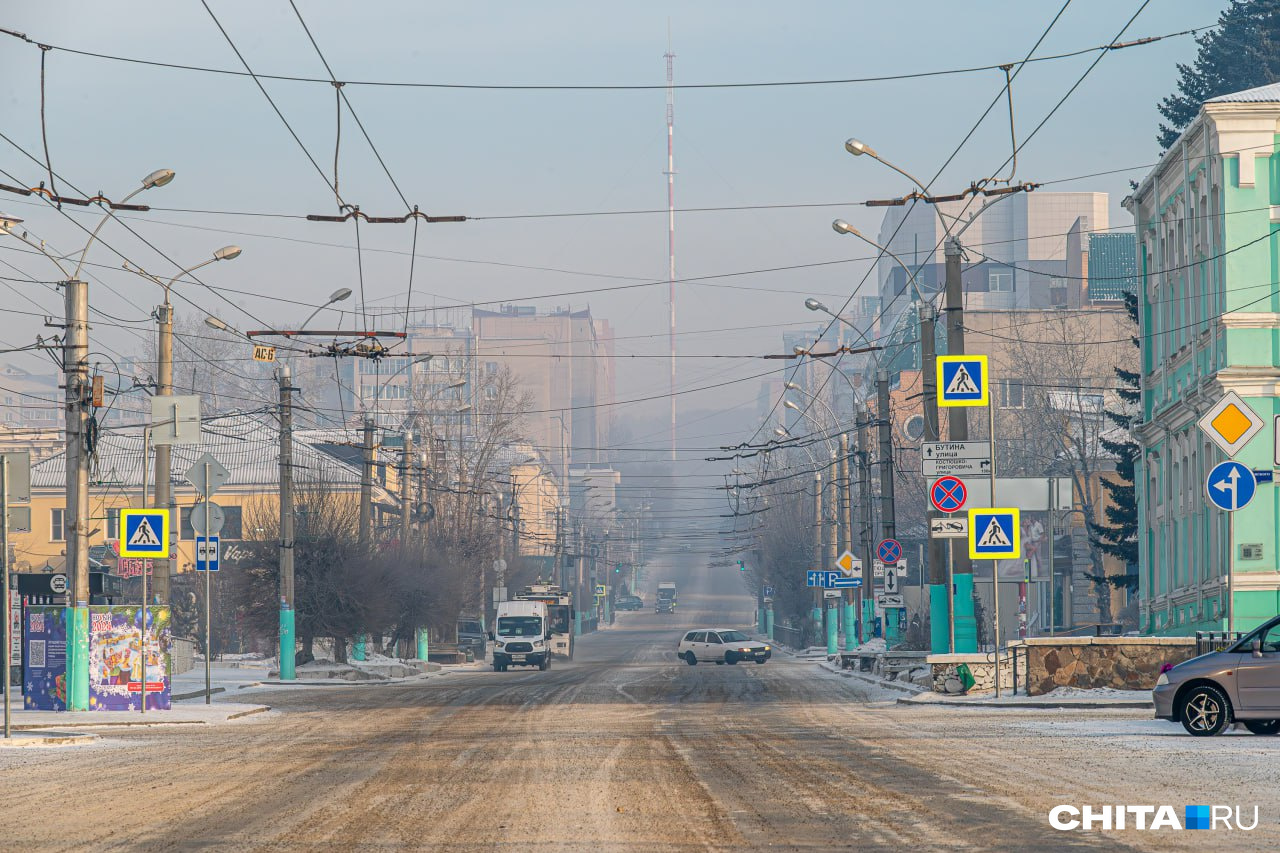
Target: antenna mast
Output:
{"points": [[671, 231]]}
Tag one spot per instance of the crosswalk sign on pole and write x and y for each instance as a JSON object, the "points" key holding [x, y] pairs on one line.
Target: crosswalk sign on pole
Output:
{"points": [[962, 380], [144, 533], [994, 534]]}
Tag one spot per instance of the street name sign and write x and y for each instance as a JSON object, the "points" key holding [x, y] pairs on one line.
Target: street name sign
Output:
{"points": [[1230, 486], [144, 533], [962, 380], [938, 458], [1230, 424], [949, 528], [994, 534]]}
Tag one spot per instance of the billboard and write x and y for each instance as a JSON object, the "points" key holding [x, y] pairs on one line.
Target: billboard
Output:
{"points": [[44, 659], [116, 665]]}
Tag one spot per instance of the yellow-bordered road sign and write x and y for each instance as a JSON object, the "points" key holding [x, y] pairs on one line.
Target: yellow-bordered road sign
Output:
{"points": [[994, 534], [144, 533], [963, 380]]}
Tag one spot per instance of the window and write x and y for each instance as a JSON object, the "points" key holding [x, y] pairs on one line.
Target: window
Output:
{"points": [[1011, 394], [491, 367], [490, 393], [57, 525], [698, 637], [1000, 281], [689, 637], [231, 527], [713, 637]]}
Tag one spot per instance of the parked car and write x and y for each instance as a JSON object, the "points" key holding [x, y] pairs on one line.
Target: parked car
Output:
{"points": [[629, 602], [721, 645], [471, 636], [1239, 683]]}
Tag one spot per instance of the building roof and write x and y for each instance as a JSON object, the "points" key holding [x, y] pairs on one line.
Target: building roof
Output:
{"points": [[1259, 95], [248, 446]]}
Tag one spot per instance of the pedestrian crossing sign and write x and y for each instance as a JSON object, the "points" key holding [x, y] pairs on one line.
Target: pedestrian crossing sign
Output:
{"points": [[144, 533], [994, 534], [962, 380]]}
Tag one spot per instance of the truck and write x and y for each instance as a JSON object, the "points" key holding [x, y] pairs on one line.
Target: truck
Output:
{"points": [[521, 635], [666, 599], [559, 614]]}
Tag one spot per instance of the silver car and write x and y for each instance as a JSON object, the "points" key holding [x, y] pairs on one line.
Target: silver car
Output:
{"points": [[1240, 683]]}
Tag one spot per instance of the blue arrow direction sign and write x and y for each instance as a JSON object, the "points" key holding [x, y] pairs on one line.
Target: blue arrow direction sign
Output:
{"points": [[846, 583], [1230, 486]]}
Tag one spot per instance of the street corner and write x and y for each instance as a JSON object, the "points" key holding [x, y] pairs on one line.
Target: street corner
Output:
{"points": [[44, 738]]}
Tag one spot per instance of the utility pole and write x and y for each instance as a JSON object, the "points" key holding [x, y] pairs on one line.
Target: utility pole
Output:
{"points": [[867, 590], [888, 518], [846, 538], [164, 388], [966, 627], [941, 638], [818, 549], [406, 487], [366, 484], [75, 365], [831, 605], [287, 634]]}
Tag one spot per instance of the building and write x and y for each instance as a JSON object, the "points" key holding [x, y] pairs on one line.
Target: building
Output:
{"points": [[247, 446], [1205, 221], [1017, 250], [31, 400]]}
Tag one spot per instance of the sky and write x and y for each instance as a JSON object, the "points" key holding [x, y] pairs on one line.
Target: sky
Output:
{"points": [[547, 174]]}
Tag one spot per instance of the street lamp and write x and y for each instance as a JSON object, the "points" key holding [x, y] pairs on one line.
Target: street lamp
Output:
{"points": [[158, 178], [339, 295]]}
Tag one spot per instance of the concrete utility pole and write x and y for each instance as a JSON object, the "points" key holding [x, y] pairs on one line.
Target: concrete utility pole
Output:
{"points": [[366, 484], [966, 627], [940, 601], [866, 615], [888, 517], [406, 487], [846, 539], [831, 605], [75, 360], [164, 387], [287, 634], [819, 548]]}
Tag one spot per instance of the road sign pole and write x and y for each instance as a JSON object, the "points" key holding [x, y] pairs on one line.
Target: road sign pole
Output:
{"points": [[995, 563], [208, 591], [142, 623], [1231, 572]]}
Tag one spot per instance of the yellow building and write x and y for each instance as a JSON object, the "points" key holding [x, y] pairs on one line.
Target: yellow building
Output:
{"points": [[247, 446]]}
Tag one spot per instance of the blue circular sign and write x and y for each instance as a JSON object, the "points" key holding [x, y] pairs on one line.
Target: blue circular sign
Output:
{"points": [[1230, 486], [889, 551], [948, 494]]}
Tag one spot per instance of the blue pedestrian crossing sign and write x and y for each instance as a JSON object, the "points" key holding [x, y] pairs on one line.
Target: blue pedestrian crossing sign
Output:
{"points": [[144, 533], [994, 534], [962, 380], [1230, 486]]}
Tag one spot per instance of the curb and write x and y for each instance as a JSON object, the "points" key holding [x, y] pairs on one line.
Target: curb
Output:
{"points": [[39, 738], [1125, 704], [36, 727], [878, 682], [178, 697], [261, 709]]}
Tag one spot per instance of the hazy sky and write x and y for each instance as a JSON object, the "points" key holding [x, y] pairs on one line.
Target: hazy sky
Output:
{"points": [[486, 153]]}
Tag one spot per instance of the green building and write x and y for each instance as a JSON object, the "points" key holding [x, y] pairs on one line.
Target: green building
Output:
{"points": [[1209, 281]]}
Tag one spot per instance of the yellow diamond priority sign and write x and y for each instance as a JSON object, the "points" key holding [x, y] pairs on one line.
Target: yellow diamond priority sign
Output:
{"points": [[1231, 424], [848, 564]]}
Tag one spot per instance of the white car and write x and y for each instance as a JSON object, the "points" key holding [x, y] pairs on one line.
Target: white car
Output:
{"points": [[722, 645]]}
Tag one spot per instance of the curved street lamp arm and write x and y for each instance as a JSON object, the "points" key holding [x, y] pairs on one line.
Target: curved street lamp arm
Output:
{"points": [[110, 214]]}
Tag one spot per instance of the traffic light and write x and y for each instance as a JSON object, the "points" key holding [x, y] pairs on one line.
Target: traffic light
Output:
{"points": [[617, 568], [742, 566]]}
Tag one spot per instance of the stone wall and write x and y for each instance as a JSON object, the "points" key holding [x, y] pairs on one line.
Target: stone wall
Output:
{"points": [[1121, 663], [981, 666]]}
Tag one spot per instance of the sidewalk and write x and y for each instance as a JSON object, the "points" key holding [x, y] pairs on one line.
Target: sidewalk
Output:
{"points": [[190, 712], [1061, 698], [900, 686]]}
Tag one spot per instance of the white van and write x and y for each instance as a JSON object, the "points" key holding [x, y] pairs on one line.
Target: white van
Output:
{"points": [[521, 635]]}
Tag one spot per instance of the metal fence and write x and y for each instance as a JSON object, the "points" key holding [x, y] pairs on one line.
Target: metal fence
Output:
{"points": [[1215, 641], [792, 638]]}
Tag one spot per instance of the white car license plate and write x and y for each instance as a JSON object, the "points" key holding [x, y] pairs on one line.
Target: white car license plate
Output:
{"points": [[517, 657]]}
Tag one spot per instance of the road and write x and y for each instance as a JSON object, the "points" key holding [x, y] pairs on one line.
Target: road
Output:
{"points": [[626, 748]]}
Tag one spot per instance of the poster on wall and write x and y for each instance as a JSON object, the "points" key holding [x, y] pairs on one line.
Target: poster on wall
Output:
{"points": [[117, 672], [44, 659]]}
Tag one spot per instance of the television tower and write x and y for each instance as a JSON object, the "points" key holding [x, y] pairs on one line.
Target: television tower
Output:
{"points": [[671, 232]]}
